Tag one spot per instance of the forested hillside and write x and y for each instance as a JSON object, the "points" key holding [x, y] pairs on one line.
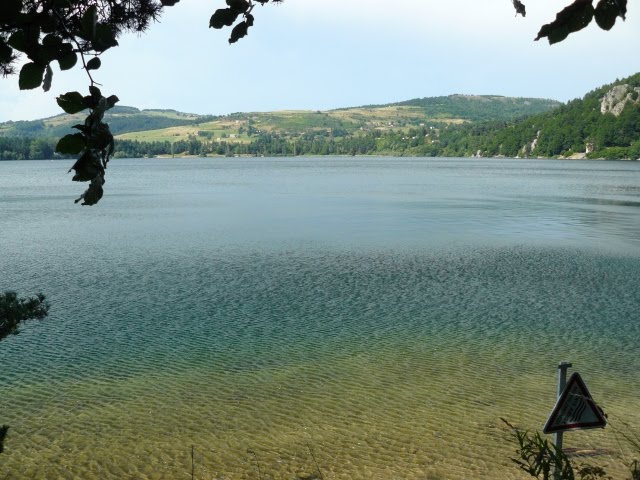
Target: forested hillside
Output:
{"points": [[37, 139], [478, 108], [603, 124], [120, 119]]}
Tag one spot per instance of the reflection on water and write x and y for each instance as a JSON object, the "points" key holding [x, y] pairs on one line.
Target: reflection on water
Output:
{"points": [[384, 313]]}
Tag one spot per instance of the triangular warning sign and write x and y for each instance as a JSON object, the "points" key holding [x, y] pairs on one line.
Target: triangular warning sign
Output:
{"points": [[575, 409]]}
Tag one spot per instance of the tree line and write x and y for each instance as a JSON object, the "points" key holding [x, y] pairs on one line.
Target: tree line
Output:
{"points": [[550, 136]]}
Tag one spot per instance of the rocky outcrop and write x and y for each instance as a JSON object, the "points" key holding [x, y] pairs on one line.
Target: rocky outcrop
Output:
{"points": [[534, 143], [616, 98], [530, 147]]}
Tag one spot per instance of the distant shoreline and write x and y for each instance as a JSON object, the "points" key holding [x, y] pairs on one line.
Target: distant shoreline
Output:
{"points": [[497, 157]]}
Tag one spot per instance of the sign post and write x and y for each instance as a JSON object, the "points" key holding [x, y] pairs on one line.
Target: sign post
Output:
{"points": [[562, 383], [574, 410]]}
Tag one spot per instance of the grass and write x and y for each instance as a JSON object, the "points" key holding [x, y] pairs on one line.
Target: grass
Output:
{"points": [[217, 129], [427, 112], [289, 122]]}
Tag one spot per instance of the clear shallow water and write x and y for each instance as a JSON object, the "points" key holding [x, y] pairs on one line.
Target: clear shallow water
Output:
{"points": [[385, 312]]}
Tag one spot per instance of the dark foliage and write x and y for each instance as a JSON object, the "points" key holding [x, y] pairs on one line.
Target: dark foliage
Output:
{"points": [[49, 31], [237, 9], [63, 31], [520, 8], [94, 142], [3, 434], [14, 310], [540, 458], [579, 14]]}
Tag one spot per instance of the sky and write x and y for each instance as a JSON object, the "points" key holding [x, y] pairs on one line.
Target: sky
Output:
{"points": [[324, 54]]}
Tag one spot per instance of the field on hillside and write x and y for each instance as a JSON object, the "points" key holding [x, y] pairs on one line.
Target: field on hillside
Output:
{"points": [[237, 127], [155, 125]]}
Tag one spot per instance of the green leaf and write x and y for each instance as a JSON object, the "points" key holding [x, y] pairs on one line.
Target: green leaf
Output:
{"points": [[90, 102], [111, 101], [520, 8], [31, 76], [6, 52], [48, 76], [104, 39], [93, 194], [48, 23], [238, 32], [51, 48], [71, 144], [51, 40], [95, 92], [223, 17], [68, 61], [622, 5], [571, 19], [87, 167], [99, 109], [71, 102], [240, 5], [112, 147], [28, 35], [18, 40], [47, 55], [606, 13], [9, 9], [89, 22], [83, 128], [93, 99], [94, 64], [101, 137]]}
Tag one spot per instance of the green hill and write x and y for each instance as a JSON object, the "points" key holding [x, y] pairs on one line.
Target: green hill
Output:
{"points": [[455, 109], [120, 120], [605, 123], [126, 120], [478, 108], [168, 131]]}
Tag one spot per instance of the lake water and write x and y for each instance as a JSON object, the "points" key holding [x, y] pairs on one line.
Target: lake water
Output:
{"points": [[374, 315]]}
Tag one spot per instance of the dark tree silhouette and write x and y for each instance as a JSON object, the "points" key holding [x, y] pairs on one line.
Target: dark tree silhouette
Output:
{"points": [[14, 311]]}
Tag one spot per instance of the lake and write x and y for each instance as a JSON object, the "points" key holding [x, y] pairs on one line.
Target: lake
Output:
{"points": [[373, 318]]}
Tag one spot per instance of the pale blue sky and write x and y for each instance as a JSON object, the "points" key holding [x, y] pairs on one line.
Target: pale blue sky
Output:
{"points": [[322, 54]]}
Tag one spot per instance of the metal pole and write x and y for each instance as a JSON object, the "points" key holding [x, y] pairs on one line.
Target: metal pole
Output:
{"points": [[562, 383]]}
